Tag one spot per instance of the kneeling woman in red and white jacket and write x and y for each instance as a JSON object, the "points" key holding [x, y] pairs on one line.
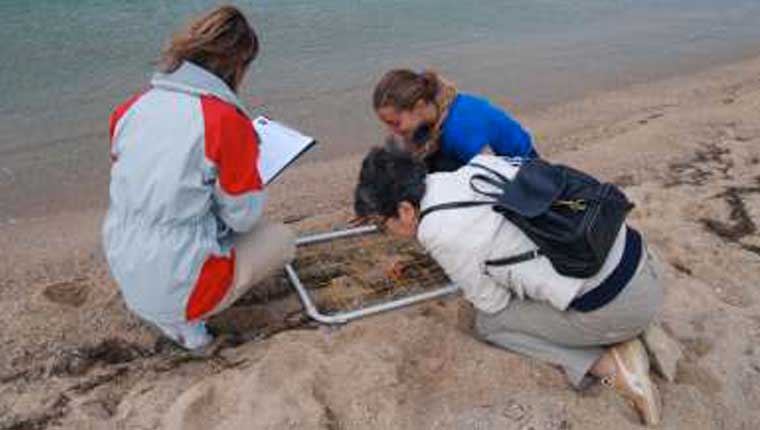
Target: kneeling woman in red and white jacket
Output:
{"points": [[183, 235]]}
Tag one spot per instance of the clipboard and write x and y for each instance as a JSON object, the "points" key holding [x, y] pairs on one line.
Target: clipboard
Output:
{"points": [[279, 147]]}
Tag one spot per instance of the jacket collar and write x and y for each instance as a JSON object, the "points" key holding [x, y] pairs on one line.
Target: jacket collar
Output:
{"points": [[193, 79]]}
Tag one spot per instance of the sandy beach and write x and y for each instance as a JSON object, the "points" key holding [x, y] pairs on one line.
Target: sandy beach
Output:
{"points": [[686, 150]]}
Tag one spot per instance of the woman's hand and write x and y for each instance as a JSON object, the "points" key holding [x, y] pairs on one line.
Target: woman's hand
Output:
{"points": [[394, 268], [357, 221]]}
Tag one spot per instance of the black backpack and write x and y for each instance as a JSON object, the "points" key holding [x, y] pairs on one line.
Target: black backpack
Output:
{"points": [[573, 218]]}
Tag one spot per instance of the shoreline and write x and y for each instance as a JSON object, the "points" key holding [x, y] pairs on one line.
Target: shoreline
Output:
{"points": [[76, 167], [547, 124]]}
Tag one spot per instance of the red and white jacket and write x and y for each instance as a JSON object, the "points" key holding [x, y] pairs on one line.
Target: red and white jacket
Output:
{"points": [[184, 181]]}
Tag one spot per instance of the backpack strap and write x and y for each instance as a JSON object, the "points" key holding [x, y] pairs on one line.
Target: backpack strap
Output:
{"points": [[507, 261], [497, 181], [515, 259], [491, 171], [500, 182], [451, 205], [469, 204]]}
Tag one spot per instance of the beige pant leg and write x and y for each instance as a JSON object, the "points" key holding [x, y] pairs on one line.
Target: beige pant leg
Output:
{"points": [[258, 254], [575, 340]]}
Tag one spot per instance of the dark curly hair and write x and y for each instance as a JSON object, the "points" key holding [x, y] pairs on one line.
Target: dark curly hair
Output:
{"points": [[388, 177]]}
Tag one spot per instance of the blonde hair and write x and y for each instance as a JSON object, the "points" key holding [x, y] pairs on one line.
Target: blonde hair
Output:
{"points": [[402, 88], [220, 41]]}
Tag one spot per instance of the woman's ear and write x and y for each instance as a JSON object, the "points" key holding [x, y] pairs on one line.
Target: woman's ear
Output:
{"points": [[407, 214], [420, 106], [425, 110], [404, 224]]}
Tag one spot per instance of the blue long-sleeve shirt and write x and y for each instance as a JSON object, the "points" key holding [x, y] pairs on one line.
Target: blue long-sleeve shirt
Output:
{"points": [[473, 124]]}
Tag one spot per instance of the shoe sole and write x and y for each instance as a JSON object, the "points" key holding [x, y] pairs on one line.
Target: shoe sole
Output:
{"points": [[632, 357]]}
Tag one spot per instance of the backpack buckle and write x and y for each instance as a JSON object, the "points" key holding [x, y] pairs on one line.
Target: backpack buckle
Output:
{"points": [[484, 268], [578, 205]]}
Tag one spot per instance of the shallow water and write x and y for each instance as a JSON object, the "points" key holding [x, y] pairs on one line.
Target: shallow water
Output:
{"points": [[67, 63]]}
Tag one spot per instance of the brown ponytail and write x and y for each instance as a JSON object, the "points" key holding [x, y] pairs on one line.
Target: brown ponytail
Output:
{"points": [[402, 88], [221, 42]]}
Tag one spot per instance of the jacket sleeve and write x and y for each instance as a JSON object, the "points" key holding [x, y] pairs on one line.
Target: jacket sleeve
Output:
{"points": [[514, 140], [494, 129], [463, 266], [474, 141], [116, 117], [232, 145]]}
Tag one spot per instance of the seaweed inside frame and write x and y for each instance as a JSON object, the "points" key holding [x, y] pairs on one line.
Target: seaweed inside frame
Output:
{"points": [[350, 273]]}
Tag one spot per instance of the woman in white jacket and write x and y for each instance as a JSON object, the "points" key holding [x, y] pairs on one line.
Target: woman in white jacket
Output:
{"points": [[183, 235], [527, 307]]}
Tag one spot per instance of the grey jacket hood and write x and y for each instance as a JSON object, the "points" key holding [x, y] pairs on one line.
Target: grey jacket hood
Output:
{"points": [[193, 79]]}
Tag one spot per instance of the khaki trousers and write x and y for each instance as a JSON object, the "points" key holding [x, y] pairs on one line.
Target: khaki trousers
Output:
{"points": [[259, 254], [576, 340]]}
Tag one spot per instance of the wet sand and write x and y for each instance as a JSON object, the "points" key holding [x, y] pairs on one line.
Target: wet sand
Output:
{"points": [[686, 150]]}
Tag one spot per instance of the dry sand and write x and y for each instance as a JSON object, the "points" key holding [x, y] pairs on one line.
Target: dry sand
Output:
{"points": [[687, 152]]}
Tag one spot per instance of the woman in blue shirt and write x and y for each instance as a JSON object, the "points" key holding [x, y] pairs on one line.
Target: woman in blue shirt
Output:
{"points": [[444, 127]]}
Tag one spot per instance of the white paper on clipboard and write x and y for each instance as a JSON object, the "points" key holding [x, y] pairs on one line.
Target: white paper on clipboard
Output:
{"points": [[279, 146]]}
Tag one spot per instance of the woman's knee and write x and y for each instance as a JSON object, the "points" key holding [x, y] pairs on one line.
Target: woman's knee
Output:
{"points": [[285, 238], [276, 240], [264, 250], [485, 325]]}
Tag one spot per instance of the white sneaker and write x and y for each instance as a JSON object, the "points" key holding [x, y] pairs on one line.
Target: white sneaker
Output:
{"points": [[193, 337], [631, 380]]}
